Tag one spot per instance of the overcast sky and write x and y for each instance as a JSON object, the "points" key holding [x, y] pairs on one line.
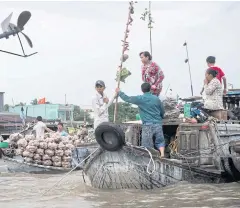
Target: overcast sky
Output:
{"points": [[80, 42]]}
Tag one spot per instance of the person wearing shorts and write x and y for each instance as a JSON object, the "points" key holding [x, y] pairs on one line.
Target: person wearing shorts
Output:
{"points": [[151, 112]]}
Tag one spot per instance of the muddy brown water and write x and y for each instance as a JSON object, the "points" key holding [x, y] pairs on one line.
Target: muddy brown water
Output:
{"points": [[22, 190]]}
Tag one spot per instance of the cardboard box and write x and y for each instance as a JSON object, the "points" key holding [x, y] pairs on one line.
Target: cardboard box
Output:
{"points": [[219, 114]]}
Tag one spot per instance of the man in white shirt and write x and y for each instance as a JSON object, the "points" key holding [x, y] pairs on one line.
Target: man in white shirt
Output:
{"points": [[40, 128], [100, 104]]}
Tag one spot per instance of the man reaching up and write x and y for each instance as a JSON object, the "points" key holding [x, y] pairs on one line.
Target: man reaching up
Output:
{"points": [[151, 112]]}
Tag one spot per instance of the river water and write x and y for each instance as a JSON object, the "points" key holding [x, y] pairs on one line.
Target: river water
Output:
{"points": [[25, 191]]}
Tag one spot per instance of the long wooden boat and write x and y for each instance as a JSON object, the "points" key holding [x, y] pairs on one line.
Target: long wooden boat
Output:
{"points": [[202, 156], [17, 164]]}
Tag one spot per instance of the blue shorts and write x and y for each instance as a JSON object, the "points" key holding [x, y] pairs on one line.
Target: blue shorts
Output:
{"points": [[148, 132]]}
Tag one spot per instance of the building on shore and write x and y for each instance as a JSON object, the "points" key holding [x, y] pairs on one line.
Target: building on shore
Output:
{"points": [[47, 111]]}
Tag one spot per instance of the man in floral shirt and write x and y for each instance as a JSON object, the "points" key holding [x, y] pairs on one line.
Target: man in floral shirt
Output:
{"points": [[151, 73]]}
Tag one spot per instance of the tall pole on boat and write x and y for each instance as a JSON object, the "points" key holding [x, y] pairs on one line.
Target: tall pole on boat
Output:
{"points": [[150, 26], [189, 68], [124, 49], [148, 13]]}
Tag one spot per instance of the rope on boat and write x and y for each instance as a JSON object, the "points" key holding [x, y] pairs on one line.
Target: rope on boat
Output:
{"points": [[150, 161], [58, 182]]}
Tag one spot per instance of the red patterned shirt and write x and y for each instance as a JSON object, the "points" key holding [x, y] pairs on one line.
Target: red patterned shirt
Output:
{"points": [[153, 74]]}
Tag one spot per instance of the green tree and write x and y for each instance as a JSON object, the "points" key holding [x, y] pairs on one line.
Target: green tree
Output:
{"points": [[20, 104], [6, 107], [78, 114], [34, 101], [126, 112]]}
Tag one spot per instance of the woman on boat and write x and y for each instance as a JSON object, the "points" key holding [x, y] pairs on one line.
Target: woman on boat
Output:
{"points": [[61, 131], [151, 73], [213, 90]]}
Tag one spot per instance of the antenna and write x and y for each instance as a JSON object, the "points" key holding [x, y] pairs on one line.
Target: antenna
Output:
{"points": [[10, 29]]}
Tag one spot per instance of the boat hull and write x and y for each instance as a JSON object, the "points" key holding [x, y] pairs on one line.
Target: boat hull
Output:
{"points": [[15, 166], [131, 167]]}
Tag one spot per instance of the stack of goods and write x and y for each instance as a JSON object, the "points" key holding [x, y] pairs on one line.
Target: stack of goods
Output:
{"points": [[85, 136], [171, 111], [53, 150]]}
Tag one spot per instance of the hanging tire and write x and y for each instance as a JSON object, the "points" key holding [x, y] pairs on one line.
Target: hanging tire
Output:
{"points": [[110, 136]]}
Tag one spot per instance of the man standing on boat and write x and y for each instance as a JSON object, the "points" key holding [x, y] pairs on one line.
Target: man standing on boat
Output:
{"points": [[40, 128], [151, 112], [151, 73], [100, 104], [220, 74]]}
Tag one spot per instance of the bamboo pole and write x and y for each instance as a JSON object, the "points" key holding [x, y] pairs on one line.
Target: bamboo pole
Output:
{"points": [[125, 47], [150, 25]]}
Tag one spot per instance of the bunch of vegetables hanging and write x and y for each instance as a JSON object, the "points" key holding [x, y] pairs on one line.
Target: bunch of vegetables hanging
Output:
{"points": [[123, 72]]}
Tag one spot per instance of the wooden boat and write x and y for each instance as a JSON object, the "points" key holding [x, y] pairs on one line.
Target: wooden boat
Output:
{"points": [[201, 156], [17, 164]]}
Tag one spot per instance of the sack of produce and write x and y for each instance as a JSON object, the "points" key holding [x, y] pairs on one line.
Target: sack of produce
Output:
{"points": [[47, 162], [49, 140], [22, 143], [52, 146], [46, 157], [77, 143], [30, 137], [43, 145], [61, 146], [59, 153], [49, 152], [37, 157], [34, 143], [31, 149], [66, 164], [56, 159], [66, 159], [70, 146], [67, 152], [57, 164], [27, 154], [40, 152]]}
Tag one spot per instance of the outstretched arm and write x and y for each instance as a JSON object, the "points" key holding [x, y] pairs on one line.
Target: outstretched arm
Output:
{"points": [[130, 99]]}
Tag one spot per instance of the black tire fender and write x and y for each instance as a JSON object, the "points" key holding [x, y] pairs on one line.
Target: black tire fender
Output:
{"points": [[110, 136]]}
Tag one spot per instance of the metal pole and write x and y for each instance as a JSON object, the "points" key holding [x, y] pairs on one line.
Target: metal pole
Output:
{"points": [[84, 114], [189, 68]]}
